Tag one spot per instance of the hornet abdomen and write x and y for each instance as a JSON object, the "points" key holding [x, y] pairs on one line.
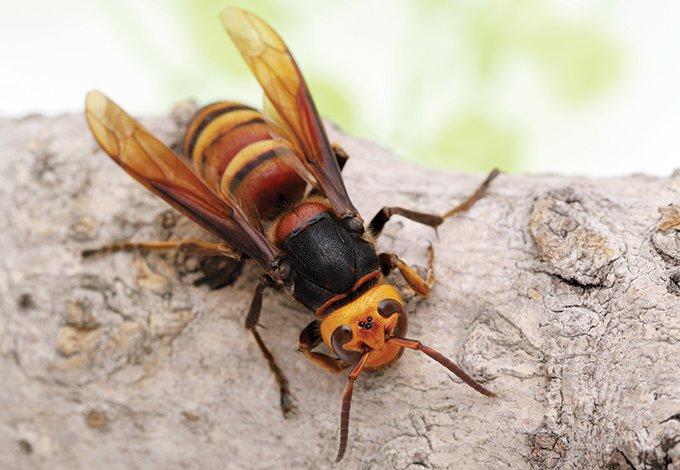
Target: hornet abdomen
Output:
{"points": [[234, 149]]}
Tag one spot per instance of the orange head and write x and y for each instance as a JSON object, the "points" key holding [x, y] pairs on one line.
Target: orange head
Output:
{"points": [[365, 324], [368, 333]]}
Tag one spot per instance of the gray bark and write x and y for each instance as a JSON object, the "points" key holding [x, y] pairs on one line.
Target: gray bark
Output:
{"points": [[559, 293]]}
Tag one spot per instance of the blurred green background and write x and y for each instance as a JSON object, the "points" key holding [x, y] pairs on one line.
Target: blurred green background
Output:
{"points": [[525, 85]]}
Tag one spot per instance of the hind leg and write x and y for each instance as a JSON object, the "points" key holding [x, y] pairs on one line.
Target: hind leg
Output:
{"points": [[221, 264], [433, 220], [218, 271], [190, 246], [340, 155]]}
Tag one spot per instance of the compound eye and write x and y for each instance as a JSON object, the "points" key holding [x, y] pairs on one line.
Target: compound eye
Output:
{"points": [[341, 336], [389, 307]]}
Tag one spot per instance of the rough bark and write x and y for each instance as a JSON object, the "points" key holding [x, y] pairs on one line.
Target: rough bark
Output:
{"points": [[562, 294]]}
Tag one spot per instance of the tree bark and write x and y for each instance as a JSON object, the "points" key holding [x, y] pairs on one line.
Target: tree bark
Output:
{"points": [[561, 294]]}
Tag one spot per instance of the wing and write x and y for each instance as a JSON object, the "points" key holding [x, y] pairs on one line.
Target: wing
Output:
{"points": [[158, 168], [274, 67]]}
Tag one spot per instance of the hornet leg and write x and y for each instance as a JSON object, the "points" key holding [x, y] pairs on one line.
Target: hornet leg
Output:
{"points": [[340, 155], [219, 271], [310, 338], [190, 246], [433, 220], [251, 322], [390, 261], [221, 264]]}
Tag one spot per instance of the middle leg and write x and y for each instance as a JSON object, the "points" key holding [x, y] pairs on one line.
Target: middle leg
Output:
{"points": [[285, 397]]}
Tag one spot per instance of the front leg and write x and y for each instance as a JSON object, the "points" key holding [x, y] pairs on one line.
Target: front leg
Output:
{"points": [[310, 338], [432, 220], [390, 261]]}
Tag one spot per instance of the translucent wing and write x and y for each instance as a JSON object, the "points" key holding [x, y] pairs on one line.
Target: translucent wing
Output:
{"points": [[274, 67], [158, 168]]}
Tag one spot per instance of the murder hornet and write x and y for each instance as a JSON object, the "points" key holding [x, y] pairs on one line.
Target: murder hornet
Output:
{"points": [[268, 184]]}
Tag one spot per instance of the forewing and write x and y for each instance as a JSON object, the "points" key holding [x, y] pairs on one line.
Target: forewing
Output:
{"points": [[274, 67], [158, 168]]}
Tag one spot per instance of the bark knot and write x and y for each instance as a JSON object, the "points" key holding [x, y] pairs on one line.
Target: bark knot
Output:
{"points": [[570, 240]]}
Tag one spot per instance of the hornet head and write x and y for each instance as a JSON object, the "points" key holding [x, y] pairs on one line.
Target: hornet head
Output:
{"points": [[366, 324], [368, 332]]}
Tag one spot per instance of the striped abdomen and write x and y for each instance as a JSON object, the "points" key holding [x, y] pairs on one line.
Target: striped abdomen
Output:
{"points": [[232, 149]]}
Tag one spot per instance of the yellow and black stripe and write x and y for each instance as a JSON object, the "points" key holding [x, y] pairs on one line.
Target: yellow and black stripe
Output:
{"points": [[231, 147], [204, 117]]}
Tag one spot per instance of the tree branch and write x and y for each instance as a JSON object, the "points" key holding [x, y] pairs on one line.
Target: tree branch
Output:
{"points": [[560, 294]]}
